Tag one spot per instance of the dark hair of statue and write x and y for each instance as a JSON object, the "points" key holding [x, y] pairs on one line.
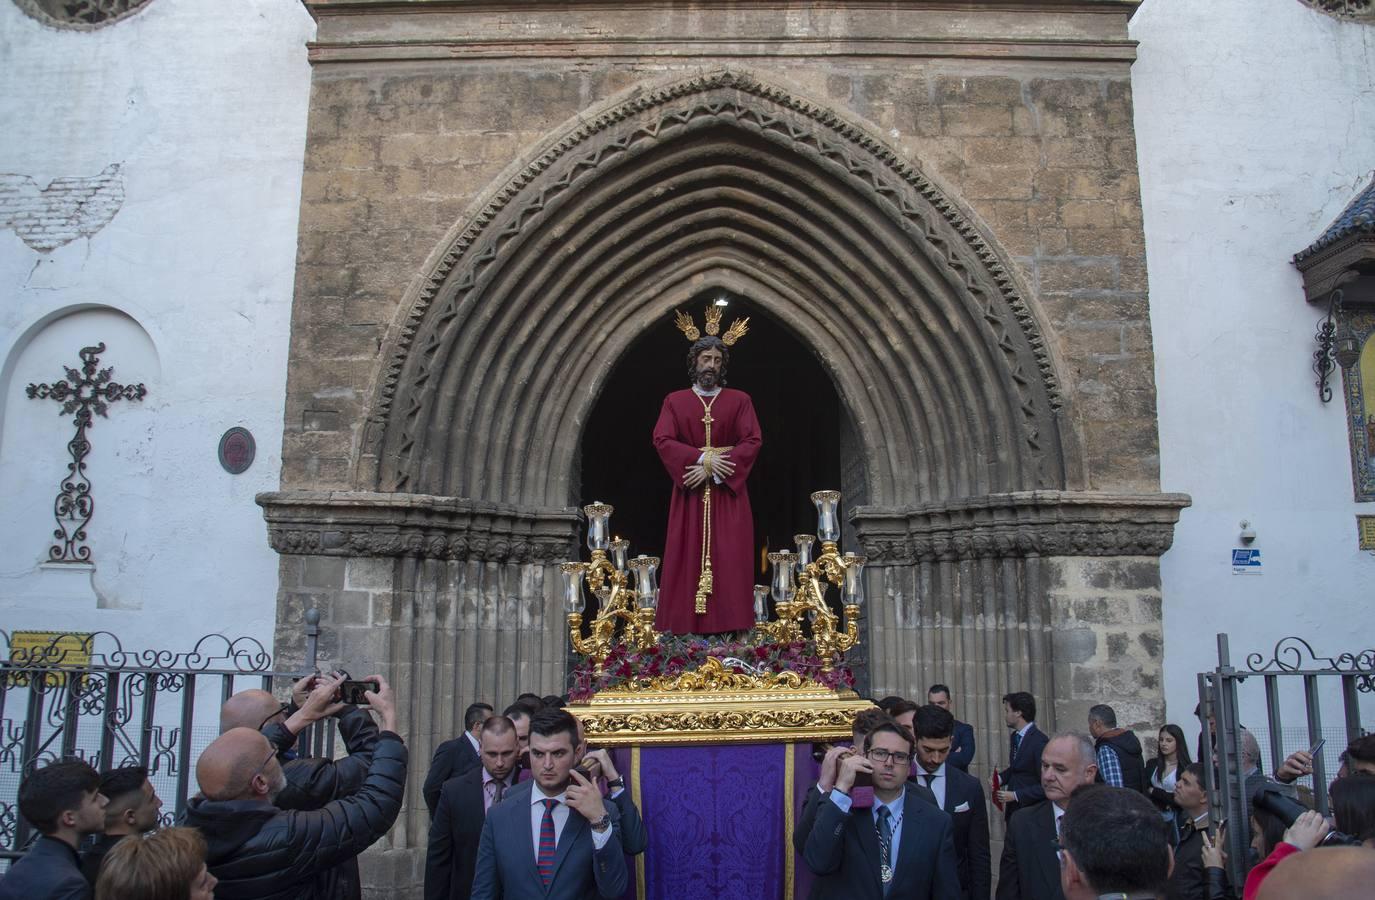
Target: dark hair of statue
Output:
{"points": [[707, 342]]}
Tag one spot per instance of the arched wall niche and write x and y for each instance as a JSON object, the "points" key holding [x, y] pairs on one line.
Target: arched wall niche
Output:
{"points": [[935, 350]]}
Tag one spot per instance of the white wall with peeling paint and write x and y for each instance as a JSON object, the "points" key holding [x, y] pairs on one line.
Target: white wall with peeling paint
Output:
{"points": [[150, 176], [1255, 124]]}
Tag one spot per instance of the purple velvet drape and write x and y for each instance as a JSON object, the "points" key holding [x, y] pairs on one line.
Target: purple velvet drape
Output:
{"points": [[715, 820]]}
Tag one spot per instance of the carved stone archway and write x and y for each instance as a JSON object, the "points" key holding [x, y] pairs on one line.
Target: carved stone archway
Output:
{"points": [[978, 521]]}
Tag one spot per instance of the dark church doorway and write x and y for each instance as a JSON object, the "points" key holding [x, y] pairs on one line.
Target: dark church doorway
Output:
{"points": [[800, 417]]}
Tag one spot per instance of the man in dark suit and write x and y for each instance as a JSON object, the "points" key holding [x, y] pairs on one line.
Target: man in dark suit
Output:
{"points": [[962, 740], [456, 757], [63, 801], [464, 802], [553, 837], [866, 720], [901, 849], [1030, 867], [1021, 780], [960, 795]]}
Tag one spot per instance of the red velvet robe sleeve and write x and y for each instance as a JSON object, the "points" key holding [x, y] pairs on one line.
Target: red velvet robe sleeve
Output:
{"points": [[747, 445], [675, 455]]}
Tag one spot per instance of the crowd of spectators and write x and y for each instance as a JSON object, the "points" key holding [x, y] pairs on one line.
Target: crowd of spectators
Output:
{"points": [[521, 805]]}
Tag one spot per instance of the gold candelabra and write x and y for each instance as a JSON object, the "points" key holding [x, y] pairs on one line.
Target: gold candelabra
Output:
{"points": [[607, 578], [806, 599]]}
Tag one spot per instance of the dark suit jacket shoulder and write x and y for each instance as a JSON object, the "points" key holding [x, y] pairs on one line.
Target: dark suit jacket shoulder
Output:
{"points": [[49, 871], [961, 747], [1030, 869], [842, 851], [1023, 773], [451, 758]]}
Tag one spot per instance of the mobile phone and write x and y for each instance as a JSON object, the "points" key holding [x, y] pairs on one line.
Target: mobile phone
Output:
{"points": [[1313, 750], [584, 770], [351, 692], [864, 779]]}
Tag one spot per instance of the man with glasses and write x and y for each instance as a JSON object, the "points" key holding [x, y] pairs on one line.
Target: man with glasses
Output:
{"points": [[259, 851], [903, 847]]}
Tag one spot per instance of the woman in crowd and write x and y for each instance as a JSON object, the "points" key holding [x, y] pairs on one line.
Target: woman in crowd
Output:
{"points": [[164, 865], [1163, 771], [1353, 806]]}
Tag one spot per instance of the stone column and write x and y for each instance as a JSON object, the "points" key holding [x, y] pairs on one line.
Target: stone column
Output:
{"points": [[452, 601], [1052, 592]]}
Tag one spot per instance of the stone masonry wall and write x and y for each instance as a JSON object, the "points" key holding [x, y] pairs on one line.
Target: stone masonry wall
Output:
{"points": [[1043, 157]]}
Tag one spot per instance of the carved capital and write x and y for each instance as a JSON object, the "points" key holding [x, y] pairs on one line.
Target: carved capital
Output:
{"points": [[365, 523], [1026, 523]]}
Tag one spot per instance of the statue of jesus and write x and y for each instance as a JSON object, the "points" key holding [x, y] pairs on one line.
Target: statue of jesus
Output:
{"points": [[708, 439]]}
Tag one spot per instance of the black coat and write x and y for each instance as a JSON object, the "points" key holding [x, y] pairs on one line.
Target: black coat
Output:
{"points": [[1127, 747], [1163, 800], [1188, 880], [49, 871], [1030, 868], [1023, 774], [451, 759], [260, 852], [312, 781], [961, 747]]}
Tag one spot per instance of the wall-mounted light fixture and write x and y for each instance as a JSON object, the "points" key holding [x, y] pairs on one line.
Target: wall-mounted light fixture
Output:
{"points": [[1248, 534], [1335, 343]]}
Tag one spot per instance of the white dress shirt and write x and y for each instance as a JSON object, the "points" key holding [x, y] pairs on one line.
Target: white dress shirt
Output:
{"points": [[560, 815]]}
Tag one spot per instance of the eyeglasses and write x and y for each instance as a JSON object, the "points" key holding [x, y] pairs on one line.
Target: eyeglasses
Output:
{"points": [[882, 756], [258, 771], [282, 710]]}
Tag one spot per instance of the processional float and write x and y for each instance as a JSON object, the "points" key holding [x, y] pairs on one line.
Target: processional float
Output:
{"points": [[787, 682]]}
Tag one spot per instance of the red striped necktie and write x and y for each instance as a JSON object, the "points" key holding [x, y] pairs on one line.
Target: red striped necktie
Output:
{"points": [[544, 859]]}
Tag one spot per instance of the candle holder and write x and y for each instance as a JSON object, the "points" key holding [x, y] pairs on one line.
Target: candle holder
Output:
{"points": [[608, 578], [807, 601]]}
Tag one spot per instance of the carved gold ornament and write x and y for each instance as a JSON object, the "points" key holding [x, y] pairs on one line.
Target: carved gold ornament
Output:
{"points": [[738, 328]]}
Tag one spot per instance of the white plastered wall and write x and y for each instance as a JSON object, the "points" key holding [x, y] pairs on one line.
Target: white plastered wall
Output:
{"points": [[202, 107], [1255, 124]]}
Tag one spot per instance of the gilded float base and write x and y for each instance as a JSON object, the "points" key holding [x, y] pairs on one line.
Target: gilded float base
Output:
{"points": [[772, 715]]}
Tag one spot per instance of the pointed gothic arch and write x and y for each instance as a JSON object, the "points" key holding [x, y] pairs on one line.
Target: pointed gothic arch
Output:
{"points": [[500, 356]]}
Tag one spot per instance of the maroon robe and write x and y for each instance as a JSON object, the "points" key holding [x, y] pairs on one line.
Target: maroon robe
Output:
{"points": [[679, 437]]}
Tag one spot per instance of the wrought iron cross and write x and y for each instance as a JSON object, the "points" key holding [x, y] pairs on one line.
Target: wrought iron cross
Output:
{"points": [[84, 392]]}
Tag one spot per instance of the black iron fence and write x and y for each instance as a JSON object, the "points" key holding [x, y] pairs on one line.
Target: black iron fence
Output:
{"points": [[84, 696], [1292, 677]]}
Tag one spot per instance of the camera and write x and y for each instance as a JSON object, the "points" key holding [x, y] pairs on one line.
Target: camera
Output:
{"points": [[351, 692], [1287, 809]]}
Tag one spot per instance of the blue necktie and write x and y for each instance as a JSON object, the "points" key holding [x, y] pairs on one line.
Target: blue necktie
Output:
{"points": [[1016, 744], [885, 847]]}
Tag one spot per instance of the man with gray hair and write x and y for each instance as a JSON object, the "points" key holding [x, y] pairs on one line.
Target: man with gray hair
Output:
{"points": [[1119, 752], [1030, 865]]}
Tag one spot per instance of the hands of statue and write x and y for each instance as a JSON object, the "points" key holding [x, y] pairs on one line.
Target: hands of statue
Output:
{"points": [[850, 767], [722, 466], [830, 767], [583, 796], [695, 476]]}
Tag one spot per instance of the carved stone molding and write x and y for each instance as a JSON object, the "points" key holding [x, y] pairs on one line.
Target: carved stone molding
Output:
{"points": [[362, 523], [1344, 9], [1001, 330], [80, 15], [1028, 523]]}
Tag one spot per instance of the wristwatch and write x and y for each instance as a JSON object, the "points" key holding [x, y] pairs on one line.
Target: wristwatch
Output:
{"points": [[601, 824], [616, 784]]}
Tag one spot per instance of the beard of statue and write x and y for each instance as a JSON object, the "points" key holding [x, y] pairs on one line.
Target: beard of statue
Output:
{"points": [[708, 379]]}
